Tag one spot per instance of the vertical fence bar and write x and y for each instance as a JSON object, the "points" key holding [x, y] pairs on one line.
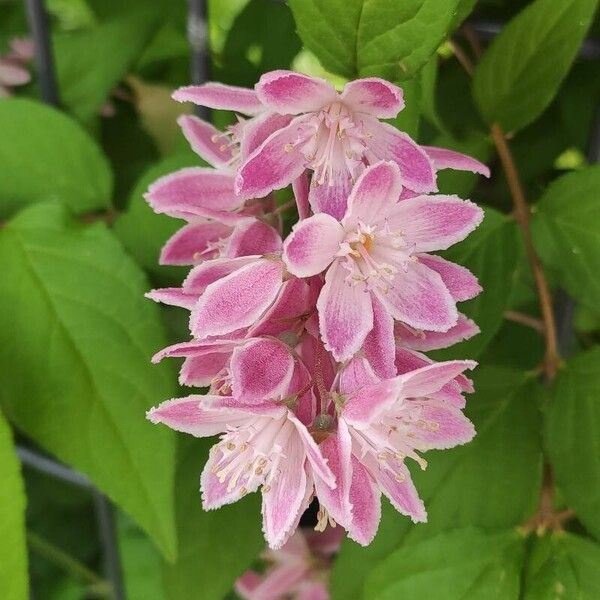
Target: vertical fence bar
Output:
{"points": [[197, 29], [40, 32]]}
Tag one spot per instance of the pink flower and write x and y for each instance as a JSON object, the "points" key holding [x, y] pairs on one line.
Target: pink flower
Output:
{"points": [[12, 70], [377, 256], [263, 443], [299, 570], [381, 424], [336, 136]]}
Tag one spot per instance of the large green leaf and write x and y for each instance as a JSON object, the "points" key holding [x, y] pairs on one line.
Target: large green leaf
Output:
{"points": [[13, 551], [214, 547], [573, 436], [44, 154], [387, 38], [493, 482], [92, 62], [563, 566], [491, 252], [77, 339], [567, 235], [521, 71], [465, 564]]}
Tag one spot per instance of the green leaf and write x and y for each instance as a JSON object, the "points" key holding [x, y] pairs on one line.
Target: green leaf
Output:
{"points": [[77, 340], [491, 252], [44, 154], [493, 482], [92, 62], [465, 564], [572, 434], [408, 119], [563, 566], [141, 230], [520, 73], [13, 550], [215, 547], [386, 38], [566, 233]]}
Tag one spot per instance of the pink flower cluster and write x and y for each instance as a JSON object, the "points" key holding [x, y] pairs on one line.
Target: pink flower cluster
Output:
{"points": [[312, 346]]}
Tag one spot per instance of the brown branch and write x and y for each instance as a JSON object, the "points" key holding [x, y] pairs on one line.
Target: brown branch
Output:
{"points": [[523, 319], [462, 58], [522, 214]]}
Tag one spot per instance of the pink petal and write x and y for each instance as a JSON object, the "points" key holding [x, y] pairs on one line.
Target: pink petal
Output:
{"points": [[446, 427], [397, 485], [253, 237], [345, 314], [291, 93], [435, 222], [195, 348], [337, 451], [246, 583], [357, 373], [272, 165], [283, 501], [205, 140], [312, 245], [312, 590], [193, 243], [12, 75], [365, 498], [220, 96], [300, 188], [388, 143], [424, 381], [292, 302], [280, 582], [257, 130], [419, 298], [374, 96], [261, 369], [201, 276], [376, 190], [238, 299], [331, 198], [193, 191], [434, 340], [380, 343], [187, 415], [174, 297], [449, 159], [200, 371], [461, 283], [363, 406]]}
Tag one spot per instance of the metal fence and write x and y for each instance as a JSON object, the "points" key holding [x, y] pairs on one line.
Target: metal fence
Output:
{"points": [[199, 71]]}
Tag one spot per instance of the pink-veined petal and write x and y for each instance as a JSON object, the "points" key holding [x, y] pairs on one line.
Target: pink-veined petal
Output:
{"points": [[283, 501], [221, 96], [446, 427], [337, 451], [257, 130], [461, 283], [356, 374], [374, 193], [273, 165], [238, 299], [312, 245], [210, 271], [424, 341], [187, 415], [300, 187], [432, 378], [450, 159], [396, 483], [261, 369], [365, 498], [374, 96], [416, 168], [193, 191], [331, 197], [380, 343], [291, 93], [363, 406], [435, 222], [253, 237], [419, 298], [193, 243], [345, 313], [173, 297], [195, 348], [206, 140], [199, 371]]}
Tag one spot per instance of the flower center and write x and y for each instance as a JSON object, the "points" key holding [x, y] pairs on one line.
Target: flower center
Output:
{"points": [[332, 142]]}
